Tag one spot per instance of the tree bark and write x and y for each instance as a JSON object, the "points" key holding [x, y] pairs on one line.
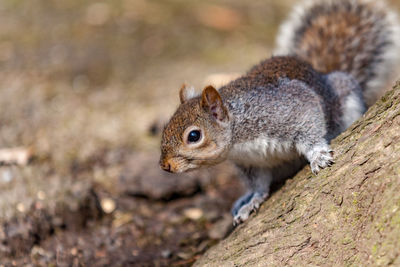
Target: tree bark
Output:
{"points": [[349, 214]]}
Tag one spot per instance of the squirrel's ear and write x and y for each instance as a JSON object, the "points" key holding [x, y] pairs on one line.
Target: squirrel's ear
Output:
{"points": [[186, 93], [211, 101]]}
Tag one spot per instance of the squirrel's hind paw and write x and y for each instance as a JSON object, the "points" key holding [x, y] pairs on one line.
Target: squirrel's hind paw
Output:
{"points": [[242, 208]]}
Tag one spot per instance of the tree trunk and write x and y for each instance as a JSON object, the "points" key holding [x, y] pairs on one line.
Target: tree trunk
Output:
{"points": [[347, 215]]}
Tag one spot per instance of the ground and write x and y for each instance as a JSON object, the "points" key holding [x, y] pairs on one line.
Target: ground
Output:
{"points": [[85, 86]]}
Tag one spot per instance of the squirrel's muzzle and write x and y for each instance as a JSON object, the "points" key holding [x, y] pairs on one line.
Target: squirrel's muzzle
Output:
{"points": [[165, 166], [172, 165]]}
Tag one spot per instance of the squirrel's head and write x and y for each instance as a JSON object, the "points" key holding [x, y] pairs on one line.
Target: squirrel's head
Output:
{"points": [[198, 134]]}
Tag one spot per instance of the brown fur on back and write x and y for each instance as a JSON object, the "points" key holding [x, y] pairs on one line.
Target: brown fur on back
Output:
{"points": [[269, 71]]}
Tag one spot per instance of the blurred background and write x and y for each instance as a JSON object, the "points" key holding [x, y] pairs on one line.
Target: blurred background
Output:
{"points": [[85, 87]]}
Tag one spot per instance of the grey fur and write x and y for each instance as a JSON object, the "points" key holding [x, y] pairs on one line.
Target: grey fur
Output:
{"points": [[284, 112], [275, 127], [350, 94], [294, 120], [266, 111]]}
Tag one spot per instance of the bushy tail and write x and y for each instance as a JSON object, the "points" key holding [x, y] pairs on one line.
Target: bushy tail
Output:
{"points": [[360, 37]]}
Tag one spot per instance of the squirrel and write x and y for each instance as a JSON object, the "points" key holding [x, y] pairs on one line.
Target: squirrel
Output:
{"points": [[333, 59]]}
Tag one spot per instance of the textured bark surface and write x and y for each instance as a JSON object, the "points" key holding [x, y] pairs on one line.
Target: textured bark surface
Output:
{"points": [[347, 215]]}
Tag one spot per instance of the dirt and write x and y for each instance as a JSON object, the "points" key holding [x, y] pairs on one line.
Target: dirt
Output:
{"points": [[86, 86], [146, 228]]}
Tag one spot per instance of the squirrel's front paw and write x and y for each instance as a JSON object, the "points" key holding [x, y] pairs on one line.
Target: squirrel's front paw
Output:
{"points": [[246, 205], [321, 159]]}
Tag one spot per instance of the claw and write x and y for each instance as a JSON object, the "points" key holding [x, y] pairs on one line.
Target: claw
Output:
{"points": [[243, 212], [322, 160]]}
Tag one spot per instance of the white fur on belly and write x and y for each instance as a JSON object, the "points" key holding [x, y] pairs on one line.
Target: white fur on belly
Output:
{"points": [[263, 152]]}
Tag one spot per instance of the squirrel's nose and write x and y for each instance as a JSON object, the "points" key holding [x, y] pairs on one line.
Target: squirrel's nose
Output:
{"points": [[166, 166]]}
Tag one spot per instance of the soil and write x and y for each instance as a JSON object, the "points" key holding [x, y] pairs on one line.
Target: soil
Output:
{"points": [[85, 87]]}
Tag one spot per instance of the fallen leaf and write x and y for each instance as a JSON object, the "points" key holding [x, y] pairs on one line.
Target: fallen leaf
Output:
{"points": [[16, 155], [193, 213]]}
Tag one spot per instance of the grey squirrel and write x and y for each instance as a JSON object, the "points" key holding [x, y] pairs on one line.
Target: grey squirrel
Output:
{"points": [[333, 59]]}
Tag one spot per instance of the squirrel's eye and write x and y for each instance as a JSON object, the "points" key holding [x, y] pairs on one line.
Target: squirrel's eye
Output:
{"points": [[194, 136]]}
